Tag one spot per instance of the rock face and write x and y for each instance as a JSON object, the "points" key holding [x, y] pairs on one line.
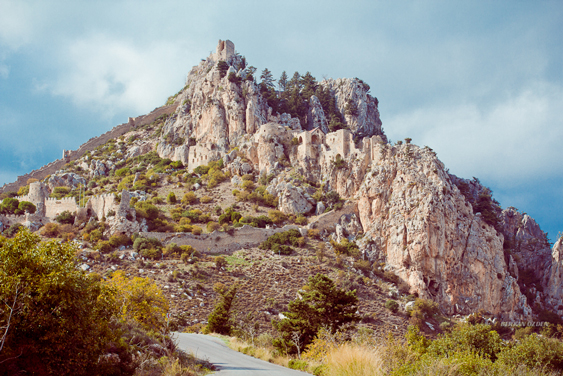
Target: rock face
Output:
{"points": [[554, 283], [316, 116], [525, 239], [418, 221], [362, 115], [69, 180]]}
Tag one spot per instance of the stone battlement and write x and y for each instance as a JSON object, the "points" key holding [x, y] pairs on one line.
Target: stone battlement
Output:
{"points": [[62, 200]]}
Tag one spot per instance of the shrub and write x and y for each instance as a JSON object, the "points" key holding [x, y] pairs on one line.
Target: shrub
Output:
{"points": [[50, 230], [534, 351], [65, 217], [220, 262], [119, 240], [189, 198], [146, 243], [345, 247], [301, 220], [171, 198], [206, 200], [60, 192], [152, 253], [392, 305], [213, 226], [277, 216], [280, 241], [104, 247], [13, 230], [196, 230], [146, 210]]}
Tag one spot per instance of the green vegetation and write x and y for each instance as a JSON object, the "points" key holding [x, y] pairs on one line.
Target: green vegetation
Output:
{"points": [[281, 242], [219, 320], [321, 304]]}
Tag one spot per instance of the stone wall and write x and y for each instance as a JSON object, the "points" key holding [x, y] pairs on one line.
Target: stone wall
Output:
{"points": [[71, 155], [54, 207], [102, 204], [219, 242]]}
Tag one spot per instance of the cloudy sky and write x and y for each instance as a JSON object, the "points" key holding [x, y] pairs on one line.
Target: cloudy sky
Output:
{"points": [[480, 82]]}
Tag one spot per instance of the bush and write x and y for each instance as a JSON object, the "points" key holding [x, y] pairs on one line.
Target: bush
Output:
{"points": [[392, 305], [146, 243], [534, 351], [277, 216], [104, 247], [220, 262], [119, 240], [50, 230], [60, 192], [281, 241], [301, 220], [65, 217], [196, 230], [206, 200], [152, 253], [171, 198], [213, 226], [189, 198], [146, 210], [13, 230]]}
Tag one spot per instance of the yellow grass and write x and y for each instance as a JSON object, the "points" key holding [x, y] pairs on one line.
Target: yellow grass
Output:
{"points": [[354, 360]]}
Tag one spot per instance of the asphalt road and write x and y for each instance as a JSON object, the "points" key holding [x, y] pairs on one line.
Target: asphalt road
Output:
{"points": [[227, 361]]}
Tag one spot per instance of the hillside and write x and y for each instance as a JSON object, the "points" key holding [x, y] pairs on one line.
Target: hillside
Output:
{"points": [[230, 160]]}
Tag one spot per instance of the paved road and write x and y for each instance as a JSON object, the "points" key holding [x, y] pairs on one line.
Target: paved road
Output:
{"points": [[227, 361]]}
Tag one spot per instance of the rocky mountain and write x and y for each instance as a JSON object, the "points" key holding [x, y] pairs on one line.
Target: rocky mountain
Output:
{"points": [[444, 237]]}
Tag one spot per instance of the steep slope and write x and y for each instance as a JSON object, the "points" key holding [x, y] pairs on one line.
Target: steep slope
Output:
{"points": [[444, 237]]}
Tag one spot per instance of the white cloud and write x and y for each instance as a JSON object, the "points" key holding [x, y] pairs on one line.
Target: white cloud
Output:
{"points": [[507, 143], [111, 75], [16, 26]]}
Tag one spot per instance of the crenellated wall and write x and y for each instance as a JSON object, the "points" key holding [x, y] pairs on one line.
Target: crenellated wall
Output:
{"points": [[54, 206]]}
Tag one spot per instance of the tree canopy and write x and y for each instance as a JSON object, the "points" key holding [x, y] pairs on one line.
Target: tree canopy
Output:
{"points": [[322, 304], [54, 318]]}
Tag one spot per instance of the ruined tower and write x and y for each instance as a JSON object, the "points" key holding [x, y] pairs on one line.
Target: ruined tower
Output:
{"points": [[225, 49]]}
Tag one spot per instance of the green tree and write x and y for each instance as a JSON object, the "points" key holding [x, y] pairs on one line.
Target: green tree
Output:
{"points": [[65, 217], [282, 82], [321, 304], [219, 321], [9, 205], [26, 206], [55, 318], [267, 78]]}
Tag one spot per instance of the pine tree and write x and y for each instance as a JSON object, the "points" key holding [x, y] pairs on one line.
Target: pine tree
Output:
{"points": [[282, 82], [267, 78], [321, 304], [219, 321]]}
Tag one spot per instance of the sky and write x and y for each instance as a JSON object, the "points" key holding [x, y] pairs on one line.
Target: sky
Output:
{"points": [[480, 82]]}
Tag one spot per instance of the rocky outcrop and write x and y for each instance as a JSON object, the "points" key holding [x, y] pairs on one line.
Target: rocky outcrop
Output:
{"points": [[316, 116], [358, 107], [416, 219], [554, 285], [525, 240], [70, 180], [292, 200]]}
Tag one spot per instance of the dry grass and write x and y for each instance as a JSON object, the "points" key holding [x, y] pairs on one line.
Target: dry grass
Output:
{"points": [[354, 360]]}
